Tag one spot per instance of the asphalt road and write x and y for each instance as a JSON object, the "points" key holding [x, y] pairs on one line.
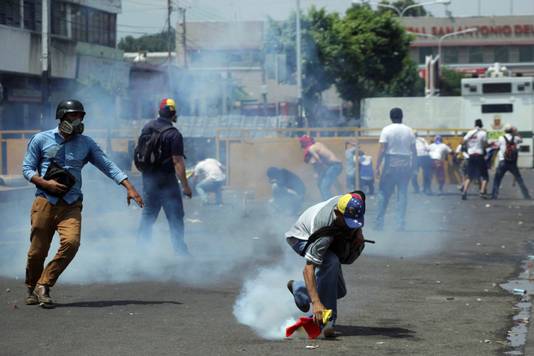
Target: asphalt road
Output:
{"points": [[431, 290]]}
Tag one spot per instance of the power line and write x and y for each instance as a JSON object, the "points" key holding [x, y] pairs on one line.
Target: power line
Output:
{"points": [[137, 26], [143, 10], [140, 3]]}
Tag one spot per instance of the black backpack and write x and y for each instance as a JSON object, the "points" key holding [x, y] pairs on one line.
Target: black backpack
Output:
{"points": [[148, 152], [343, 244], [510, 153]]}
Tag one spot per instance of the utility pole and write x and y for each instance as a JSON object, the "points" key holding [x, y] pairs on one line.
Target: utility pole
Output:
{"points": [[299, 63], [169, 41], [45, 62], [169, 46], [184, 37]]}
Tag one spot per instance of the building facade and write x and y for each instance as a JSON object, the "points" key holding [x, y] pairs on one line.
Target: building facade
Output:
{"points": [[83, 59], [508, 40], [233, 73]]}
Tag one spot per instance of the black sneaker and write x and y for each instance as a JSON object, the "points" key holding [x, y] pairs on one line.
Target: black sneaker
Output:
{"points": [[31, 298], [329, 330], [464, 196], [43, 296], [303, 308]]}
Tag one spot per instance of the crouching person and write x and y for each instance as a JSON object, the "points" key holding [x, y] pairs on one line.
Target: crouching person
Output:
{"points": [[327, 235], [54, 162]]}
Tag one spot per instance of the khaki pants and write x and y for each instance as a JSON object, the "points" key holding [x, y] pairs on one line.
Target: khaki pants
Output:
{"points": [[46, 219]]}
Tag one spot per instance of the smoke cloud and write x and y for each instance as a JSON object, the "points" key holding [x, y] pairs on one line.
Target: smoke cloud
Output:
{"points": [[265, 304], [220, 240]]}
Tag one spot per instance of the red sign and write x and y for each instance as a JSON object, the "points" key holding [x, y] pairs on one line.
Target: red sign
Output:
{"points": [[484, 30]]}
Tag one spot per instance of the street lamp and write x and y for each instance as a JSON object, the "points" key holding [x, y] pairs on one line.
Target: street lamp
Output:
{"points": [[468, 30], [401, 12], [443, 2]]}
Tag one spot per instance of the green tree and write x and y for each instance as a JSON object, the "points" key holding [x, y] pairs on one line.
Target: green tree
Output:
{"points": [[152, 43], [450, 82], [316, 32], [371, 56], [406, 83], [363, 53]]}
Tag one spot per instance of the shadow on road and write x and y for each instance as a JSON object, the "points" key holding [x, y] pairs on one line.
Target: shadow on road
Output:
{"points": [[110, 303], [397, 333]]}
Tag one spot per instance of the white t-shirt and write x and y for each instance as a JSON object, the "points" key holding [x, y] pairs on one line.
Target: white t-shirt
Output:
{"points": [[399, 138], [476, 141], [439, 151], [210, 169], [502, 144], [421, 147]]}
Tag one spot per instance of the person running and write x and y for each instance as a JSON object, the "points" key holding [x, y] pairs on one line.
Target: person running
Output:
{"points": [[508, 154], [476, 141], [53, 163]]}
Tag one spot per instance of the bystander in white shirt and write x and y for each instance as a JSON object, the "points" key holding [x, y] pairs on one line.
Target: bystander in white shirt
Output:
{"points": [[476, 141], [210, 169], [421, 147], [502, 144], [439, 151], [399, 139]]}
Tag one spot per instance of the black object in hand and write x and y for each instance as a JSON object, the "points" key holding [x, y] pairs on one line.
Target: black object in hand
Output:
{"points": [[60, 175]]}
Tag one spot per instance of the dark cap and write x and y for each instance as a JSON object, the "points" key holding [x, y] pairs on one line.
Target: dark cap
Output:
{"points": [[395, 114], [478, 123]]}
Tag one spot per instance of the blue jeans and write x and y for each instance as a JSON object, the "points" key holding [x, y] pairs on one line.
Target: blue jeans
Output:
{"points": [[424, 163], [286, 200], [350, 183], [329, 279], [393, 177], [206, 186], [163, 192], [511, 167], [328, 178]]}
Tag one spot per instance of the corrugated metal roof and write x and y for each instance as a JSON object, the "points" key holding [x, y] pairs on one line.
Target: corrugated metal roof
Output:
{"points": [[192, 126]]}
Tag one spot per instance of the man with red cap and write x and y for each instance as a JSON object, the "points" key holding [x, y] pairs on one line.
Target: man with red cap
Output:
{"points": [[160, 157], [325, 163], [327, 235]]}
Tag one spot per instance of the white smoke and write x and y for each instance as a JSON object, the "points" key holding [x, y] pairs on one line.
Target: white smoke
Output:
{"points": [[265, 304]]}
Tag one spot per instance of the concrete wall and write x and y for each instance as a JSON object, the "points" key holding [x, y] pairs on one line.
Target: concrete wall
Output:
{"points": [[435, 112], [20, 52], [248, 161]]}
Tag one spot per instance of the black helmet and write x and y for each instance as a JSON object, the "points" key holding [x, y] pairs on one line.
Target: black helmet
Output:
{"points": [[67, 106]]}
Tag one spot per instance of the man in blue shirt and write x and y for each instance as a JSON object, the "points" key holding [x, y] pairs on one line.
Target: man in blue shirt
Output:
{"points": [[54, 162], [160, 183]]}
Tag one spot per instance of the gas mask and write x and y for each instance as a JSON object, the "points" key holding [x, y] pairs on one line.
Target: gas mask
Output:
{"points": [[69, 128]]}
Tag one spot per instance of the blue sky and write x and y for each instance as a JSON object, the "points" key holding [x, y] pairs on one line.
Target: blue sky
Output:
{"points": [[149, 16]]}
